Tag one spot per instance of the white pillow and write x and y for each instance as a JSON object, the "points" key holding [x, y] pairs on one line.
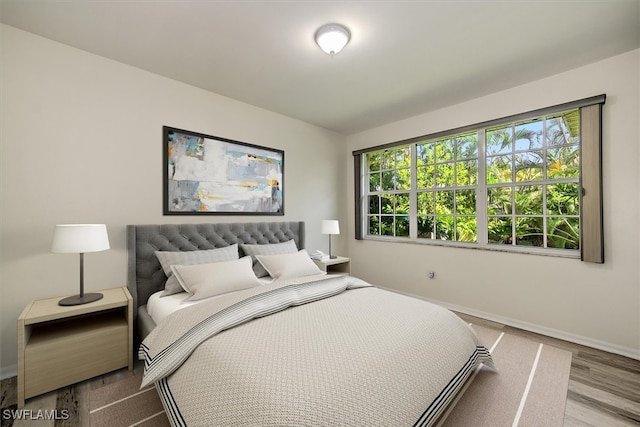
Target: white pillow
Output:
{"points": [[288, 247], [289, 266], [169, 258], [207, 280]]}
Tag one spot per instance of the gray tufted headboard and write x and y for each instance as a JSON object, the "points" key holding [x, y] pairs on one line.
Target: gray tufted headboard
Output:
{"points": [[145, 275]]}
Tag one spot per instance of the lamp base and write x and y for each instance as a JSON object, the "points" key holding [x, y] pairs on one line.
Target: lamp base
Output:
{"points": [[333, 256], [78, 300]]}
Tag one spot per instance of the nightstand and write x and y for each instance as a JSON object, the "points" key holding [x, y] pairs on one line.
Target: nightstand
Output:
{"points": [[339, 265], [59, 346]]}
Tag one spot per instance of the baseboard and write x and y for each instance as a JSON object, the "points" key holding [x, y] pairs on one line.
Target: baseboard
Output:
{"points": [[531, 327], [8, 372]]}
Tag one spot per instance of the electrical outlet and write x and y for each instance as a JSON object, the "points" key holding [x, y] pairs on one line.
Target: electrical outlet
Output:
{"points": [[432, 275]]}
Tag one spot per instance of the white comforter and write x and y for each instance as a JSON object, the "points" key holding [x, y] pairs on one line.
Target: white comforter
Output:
{"points": [[334, 351]]}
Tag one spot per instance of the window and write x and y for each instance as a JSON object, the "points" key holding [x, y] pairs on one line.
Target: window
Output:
{"points": [[389, 181], [446, 183], [511, 184], [532, 179]]}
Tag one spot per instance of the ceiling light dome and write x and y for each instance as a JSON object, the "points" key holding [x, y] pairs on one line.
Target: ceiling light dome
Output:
{"points": [[332, 38]]}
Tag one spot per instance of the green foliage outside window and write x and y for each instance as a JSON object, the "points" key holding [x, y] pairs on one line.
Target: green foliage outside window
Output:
{"points": [[390, 177], [531, 185], [519, 155]]}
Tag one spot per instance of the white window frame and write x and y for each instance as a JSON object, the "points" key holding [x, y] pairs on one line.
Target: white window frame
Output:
{"points": [[481, 187]]}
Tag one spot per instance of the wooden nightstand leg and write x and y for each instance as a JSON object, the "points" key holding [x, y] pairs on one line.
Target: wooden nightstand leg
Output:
{"points": [[130, 327], [23, 336]]}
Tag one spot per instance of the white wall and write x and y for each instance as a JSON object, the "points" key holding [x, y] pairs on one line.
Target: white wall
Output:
{"points": [[82, 142], [594, 304]]}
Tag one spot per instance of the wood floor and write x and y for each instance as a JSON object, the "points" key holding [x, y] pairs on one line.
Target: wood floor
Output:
{"points": [[604, 389]]}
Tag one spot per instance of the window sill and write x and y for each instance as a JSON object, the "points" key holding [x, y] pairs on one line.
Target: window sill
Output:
{"points": [[527, 250]]}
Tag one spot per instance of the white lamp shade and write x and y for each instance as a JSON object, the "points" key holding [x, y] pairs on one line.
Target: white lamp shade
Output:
{"points": [[332, 38], [330, 226], [80, 238]]}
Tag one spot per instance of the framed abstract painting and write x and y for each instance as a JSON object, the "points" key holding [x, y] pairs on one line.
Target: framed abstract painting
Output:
{"points": [[209, 175]]}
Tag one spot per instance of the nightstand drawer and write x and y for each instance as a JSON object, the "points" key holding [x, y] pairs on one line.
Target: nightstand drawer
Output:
{"points": [[65, 352], [337, 265], [62, 345]]}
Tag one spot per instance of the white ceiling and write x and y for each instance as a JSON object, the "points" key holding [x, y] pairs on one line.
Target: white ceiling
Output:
{"points": [[405, 57]]}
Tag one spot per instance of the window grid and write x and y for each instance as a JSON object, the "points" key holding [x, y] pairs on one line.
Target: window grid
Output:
{"points": [[388, 199], [440, 161], [457, 154], [541, 237]]}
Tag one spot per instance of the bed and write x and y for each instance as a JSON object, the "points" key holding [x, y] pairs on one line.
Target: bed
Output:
{"points": [[264, 339]]}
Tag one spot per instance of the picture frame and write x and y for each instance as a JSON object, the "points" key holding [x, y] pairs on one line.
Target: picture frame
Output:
{"points": [[210, 175]]}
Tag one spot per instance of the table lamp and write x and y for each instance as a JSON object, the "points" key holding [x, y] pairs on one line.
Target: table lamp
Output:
{"points": [[330, 226], [79, 239]]}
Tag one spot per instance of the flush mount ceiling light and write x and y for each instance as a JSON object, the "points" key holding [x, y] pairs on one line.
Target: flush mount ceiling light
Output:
{"points": [[332, 38]]}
